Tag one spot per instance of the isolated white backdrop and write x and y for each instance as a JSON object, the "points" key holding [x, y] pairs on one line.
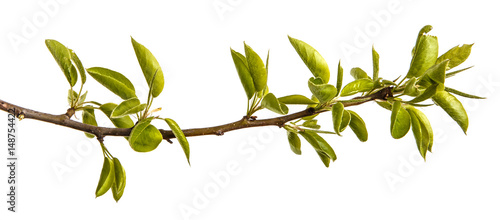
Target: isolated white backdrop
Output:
{"points": [[191, 40]]}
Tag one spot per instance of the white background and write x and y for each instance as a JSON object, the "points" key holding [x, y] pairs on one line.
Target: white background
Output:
{"points": [[191, 40]]}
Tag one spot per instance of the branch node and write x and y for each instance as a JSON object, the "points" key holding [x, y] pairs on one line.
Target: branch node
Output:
{"points": [[70, 112], [219, 133]]}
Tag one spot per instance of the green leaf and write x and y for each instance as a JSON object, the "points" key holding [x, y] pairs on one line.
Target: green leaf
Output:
{"points": [[123, 122], [337, 115], [425, 55], [294, 142], [82, 99], [118, 186], [62, 56], [463, 94], [257, 69], [450, 74], [424, 30], [318, 143], [384, 104], [435, 74], [375, 58], [149, 66], [180, 137], [79, 66], [358, 126], [410, 88], [144, 136], [296, 100], [428, 93], [313, 60], [271, 102], [456, 55], [453, 107], [324, 158], [72, 97], [324, 92], [240, 62], [359, 85], [417, 133], [88, 117], [400, 121], [346, 120], [107, 177], [425, 127], [114, 81], [128, 107], [311, 124], [340, 76], [358, 73]]}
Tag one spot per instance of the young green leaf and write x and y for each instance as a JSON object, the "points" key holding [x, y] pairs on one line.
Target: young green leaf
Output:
{"points": [[107, 177], [144, 136], [375, 58], [62, 56], [82, 98], [294, 142], [128, 107], [358, 73], [358, 126], [88, 117], [311, 124], [324, 158], [410, 88], [417, 133], [271, 102], [346, 120], [118, 186], [79, 66], [149, 66], [340, 76], [296, 100], [428, 93], [313, 60], [337, 113], [463, 94], [400, 121], [240, 62], [318, 143], [359, 85], [453, 107], [435, 74], [114, 81], [426, 128], [180, 136], [257, 69], [72, 97], [450, 74], [425, 55], [323, 92], [123, 122], [456, 55]]}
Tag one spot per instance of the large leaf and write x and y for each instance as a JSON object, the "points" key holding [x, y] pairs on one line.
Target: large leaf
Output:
{"points": [[118, 186], [400, 121], [107, 177], [425, 53], [240, 62], [358, 126], [257, 69], [296, 100], [144, 136], [359, 85], [323, 92], [453, 107], [88, 117], [127, 107], [456, 55], [122, 122], [294, 142], [114, 81], [149, 66], [313, 60], [180, 136], [62, 55], [271, 102]]}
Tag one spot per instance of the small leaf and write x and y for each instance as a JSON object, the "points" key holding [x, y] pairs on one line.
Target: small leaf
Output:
{"points": [[311, 124], [359, 85], [313, 60], [463, 94], [88, 117], [118, 186], [400, 121], [257, 69], [82, 99], [435, 74], [128, 107], [456, 55], [79, 66], [294, 142], [337, 113], [114, 81], [62, 56], [425, 127], [425, 55], [340, 76], [324, 158], [123, 122], [149, 66], [358, 73], [410, 88], [450, 74], [318, 143], [296, 100], [72, 97], [324, 92], [417, 133], [271, 102], [107, 177], [453, 107], [144, 136], [375, 58], [240, 62], [358, 126], [179, 134], [384, 104], [428, 93], [346, 120]]}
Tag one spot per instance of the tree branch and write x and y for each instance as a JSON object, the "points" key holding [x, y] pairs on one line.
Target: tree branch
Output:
{"points": [[100, 132]]}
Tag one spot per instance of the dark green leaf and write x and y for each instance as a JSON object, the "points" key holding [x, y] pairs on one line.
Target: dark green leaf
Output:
{"points": [[340, 76], [313, 60], [62, 56], [271, 102], [179, 134], [324, 92], [107, 177], [79, 66], [456, 55], [149, 66], [144, 136], [425, 55], [358, 126], [257, 69], [453, 107], [240, 62], [118, 186], [358, 73], [123, 122], [463, 94], [296, 100], [359, 85], [128, 107], [88, 117], [375, 58], [294, 142], [400, 121], [114, 81]]}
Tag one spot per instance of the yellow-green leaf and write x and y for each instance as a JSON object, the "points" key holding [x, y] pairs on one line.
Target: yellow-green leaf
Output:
{"points": [[323, 92], [435, 74], [319, 144], [296, 100], [180, 137], [400, 121], [88, 117], [144, 136], [79, 66], [149, 66], [375, 58], [453, 107], [294, 142], [118, 186], [358, 126], [107, 177], [358, 73], [425, 127], [240, 62], [257, 69], [114, 81], [122, 122], [313, 60], [340, 76], [128, 107], [62, 55], [456, 55], [418, 134], [359, 85], [271, 102], [425, 54], [337, 113]]}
